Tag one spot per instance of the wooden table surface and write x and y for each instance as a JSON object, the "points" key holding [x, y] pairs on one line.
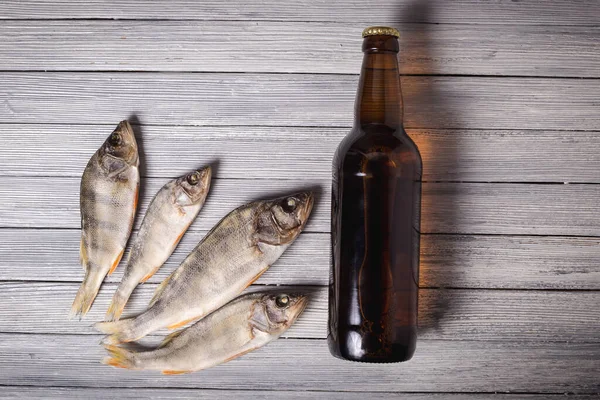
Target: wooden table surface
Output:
{"points": [[502, 98]]}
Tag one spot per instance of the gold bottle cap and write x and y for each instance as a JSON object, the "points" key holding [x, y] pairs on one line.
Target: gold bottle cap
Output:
{"points": [[380, 30]]}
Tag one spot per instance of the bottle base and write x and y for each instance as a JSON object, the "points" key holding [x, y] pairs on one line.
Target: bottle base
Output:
{"points": [[396, 354]]}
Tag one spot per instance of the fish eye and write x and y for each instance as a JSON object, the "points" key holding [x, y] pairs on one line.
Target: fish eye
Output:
{"points": [[289, 204], [282, 301], [114, 139], [193, 179]]}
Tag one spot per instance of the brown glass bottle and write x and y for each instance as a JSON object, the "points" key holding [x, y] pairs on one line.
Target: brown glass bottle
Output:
{"points": [[376, 198]]}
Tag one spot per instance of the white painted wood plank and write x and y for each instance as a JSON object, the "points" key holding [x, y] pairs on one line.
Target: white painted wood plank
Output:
{"points": [[53, 255], [56, 200], [44, 307], [511, 209], [68, 393], [451, 261], [293, 100], [304, 153], [376, 12], [238, 152], [297, 364], [247, 46], [443, 314], [465, 208], [518, 262]]}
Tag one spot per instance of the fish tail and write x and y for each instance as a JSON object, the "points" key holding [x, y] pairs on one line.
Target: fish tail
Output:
{"points": [[115, 309], [120, 357], [121, 331], [120, 298], [87, 292]]}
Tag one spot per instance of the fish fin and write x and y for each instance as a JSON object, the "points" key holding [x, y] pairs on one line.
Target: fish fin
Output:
{"points": [[179, 237], [240, 354], [87, 293], [117, 261], [149, 274], [135, 200], [168, 338], [120, 357], [256, 277], [173, 372], [182, 323], [113, 166], [83, 258], [118, 331], [159, 290]]}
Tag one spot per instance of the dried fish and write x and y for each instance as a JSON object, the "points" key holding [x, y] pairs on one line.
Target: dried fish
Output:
{"points": [[109, 193], [232, 255], [245, 324], [169, 215]]}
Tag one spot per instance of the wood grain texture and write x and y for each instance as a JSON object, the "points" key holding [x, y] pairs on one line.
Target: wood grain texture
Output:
{"points": [[234, 46], [510, 209], [450, 261], [517, 262], [56, 201], [243, 85], [465, 208], [305, 153], [293, 100], [68, 393], [44, 309], [502, 315], [438, 365], [53, 255], [377, 12]]}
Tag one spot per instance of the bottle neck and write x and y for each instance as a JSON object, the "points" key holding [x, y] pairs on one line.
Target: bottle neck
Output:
{"points": [[379, 98]]}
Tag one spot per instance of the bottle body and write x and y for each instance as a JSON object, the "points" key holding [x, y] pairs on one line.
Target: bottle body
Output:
{"points": [[376, 197]]}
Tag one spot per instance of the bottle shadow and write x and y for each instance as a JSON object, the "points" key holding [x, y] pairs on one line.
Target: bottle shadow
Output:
{"points": [[416, 62]]}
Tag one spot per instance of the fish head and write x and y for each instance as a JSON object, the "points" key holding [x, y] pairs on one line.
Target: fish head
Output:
{"points": [[279, 311], [192, 188], [283, 218], [120, 146]]}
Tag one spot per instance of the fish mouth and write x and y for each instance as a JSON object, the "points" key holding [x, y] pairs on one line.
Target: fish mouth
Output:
{"points": [[126, 126], [199, 191], [308, 198], [125, 129], [300, 305], [310, 203], [206, 174]]}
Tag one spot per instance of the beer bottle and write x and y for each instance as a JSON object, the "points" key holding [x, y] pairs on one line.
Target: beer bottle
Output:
{"points": [[376, 198]]}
